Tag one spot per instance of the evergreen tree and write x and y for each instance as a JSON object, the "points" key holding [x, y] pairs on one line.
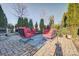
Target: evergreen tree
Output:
{"points": [[42, 25], [20, 22], [31, 24], [3, 19], [36, 26], [26, 22]]}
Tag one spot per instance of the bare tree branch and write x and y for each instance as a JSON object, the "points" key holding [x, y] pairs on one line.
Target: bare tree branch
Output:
{"points": [[43, 13], [20, 9]]}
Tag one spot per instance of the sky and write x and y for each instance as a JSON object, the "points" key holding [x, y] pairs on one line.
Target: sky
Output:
{"points": [[36, 11]]}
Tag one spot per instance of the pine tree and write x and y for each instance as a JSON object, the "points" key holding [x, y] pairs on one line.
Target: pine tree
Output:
{"points": [[26, 22], [42, 25], [20, 22], [3, 19], [31, 24], [36, 26]]}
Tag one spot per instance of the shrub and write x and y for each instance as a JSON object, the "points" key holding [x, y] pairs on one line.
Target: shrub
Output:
{"points": [[63, 31]]}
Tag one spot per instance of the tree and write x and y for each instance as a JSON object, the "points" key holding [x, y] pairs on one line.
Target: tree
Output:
{"points": [[20, 9], [36, 26], [3, 19], [11, 27], [43, 13], [64, 20], [31, 24], [20, 22], [42, 25], [71, 19], [73, 14], [51, 23], [57, 26], [26, 22]]}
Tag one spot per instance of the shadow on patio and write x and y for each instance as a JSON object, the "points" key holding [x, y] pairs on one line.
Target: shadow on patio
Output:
{"points": [[58, 50]]}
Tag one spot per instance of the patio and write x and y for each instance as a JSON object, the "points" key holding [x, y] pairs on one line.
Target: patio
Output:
{"points": [[11, 46]]}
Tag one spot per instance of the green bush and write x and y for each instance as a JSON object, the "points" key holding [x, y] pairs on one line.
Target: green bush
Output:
{"points": [[59, 34], [73, 31], [64, 31]]}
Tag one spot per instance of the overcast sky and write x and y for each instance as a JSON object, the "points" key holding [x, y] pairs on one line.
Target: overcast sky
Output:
{"points": [[36, 10]]}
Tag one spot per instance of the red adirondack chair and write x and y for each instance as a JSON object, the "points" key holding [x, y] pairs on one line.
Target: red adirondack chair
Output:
{"points": [[26, 32], [46, 31], [50, 34]]}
